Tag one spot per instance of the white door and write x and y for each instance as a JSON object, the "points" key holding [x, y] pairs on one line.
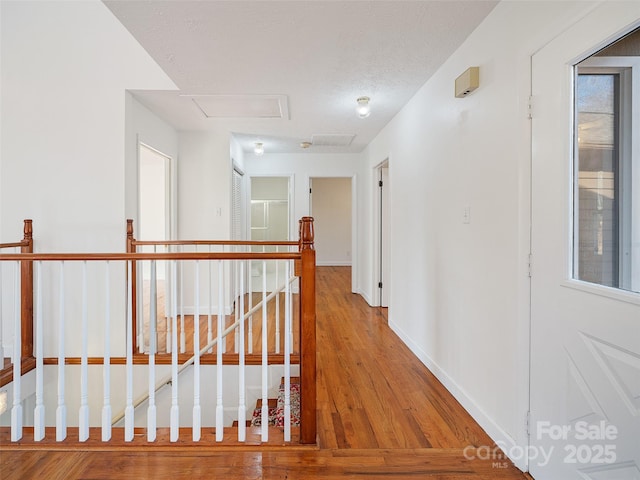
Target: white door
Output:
{"points": [[585, 338]]}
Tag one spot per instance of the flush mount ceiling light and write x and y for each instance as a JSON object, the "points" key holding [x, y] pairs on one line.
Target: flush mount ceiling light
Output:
{"points": [[305, 144], [258, 148], [363, 109]]}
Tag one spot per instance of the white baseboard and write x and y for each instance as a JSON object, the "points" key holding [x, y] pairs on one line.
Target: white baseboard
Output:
{"points": [[494, 431], [333, 263], [367, 298]]}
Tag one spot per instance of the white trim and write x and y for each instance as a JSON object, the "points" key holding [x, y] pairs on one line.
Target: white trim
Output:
{"points": [[494, 431], [603, 291], [366, 297], [333, 263]]}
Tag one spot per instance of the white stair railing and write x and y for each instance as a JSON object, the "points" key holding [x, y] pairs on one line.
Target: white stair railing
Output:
{"points": [[93, 315]]}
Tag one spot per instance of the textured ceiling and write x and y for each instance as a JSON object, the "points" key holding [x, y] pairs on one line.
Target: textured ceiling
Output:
{"points": [[322, 55]]}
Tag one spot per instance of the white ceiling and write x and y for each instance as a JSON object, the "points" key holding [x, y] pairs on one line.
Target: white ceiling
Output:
{"points": [[320, 55]]}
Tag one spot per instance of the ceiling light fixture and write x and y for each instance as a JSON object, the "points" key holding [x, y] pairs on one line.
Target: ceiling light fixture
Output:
{"points": [[305, 144], [258, 148], [363, 109]]}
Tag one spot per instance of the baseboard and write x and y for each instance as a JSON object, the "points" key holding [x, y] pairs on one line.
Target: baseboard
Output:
{"points": [[333, 263], [366, 297], [494, 431]]}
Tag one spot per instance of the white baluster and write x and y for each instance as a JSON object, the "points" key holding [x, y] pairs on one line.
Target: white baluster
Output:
{"points": [[38, 415], [83, 422], [106, 367], [16, 409], [61, 411], [287, 357], [265, 373], [250, 299], [175, 409], [219, 349], [140, 307], [153, 346], [236, 334], [210, 293], [196, 361], [183, 336], [242, 408], [291, 269], [168, 307], [1, 314], [277, 264], [128, 411]]}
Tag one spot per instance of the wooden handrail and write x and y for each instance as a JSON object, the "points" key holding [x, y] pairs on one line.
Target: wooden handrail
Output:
{"points": [[216, 242], [78, 257]]}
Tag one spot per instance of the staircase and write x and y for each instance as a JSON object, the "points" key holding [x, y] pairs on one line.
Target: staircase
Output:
{"points": [[276, 407]]}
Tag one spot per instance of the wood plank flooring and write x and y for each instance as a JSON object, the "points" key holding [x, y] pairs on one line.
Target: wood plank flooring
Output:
{"points": [[381, 415]]}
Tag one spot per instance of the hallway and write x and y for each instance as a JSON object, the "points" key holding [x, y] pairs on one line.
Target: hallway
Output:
{"points": [[381, 415]]}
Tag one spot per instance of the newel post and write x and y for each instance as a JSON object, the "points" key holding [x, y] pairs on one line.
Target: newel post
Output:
{"points": [[131, 248], [307, 332], [26, 282]]}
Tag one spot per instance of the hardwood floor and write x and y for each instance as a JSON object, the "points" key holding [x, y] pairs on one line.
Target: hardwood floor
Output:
{"points": [[254, 324], [381, 415]]}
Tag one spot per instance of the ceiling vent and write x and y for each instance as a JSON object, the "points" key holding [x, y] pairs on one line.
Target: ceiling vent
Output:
{"points": [[242, 106], [332, 140]]}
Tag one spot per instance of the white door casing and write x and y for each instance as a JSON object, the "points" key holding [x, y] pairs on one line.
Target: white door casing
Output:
{"points": [[585, 339]]}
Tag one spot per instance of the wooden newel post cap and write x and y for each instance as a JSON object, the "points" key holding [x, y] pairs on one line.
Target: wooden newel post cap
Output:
{"points": [[306, 233], [129, 227], [28, 229]]}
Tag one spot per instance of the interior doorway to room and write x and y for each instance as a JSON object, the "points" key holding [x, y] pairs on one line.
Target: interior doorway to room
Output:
{"points": [[269, 220], [154, 223], [383, 270], [330, 204]]}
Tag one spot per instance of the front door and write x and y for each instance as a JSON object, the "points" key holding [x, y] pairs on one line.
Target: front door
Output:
{"points": [[585, 335]]}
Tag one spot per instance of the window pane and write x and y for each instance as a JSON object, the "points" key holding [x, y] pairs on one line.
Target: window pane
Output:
{"points": [[597, 199]]}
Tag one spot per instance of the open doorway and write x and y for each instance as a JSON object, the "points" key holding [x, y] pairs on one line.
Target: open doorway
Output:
{"points": [[330, 207], [154, 223], [269, 220]]}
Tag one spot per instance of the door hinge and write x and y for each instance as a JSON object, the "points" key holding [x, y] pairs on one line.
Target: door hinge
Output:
{"points": [[527, 422], [309, 190], [529, 263], [379, 284], [530, 107], [380, 183]]}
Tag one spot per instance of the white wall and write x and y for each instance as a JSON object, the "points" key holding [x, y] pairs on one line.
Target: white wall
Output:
{"points": [[204, 185], [331, 210], [145, 127], [459, 291], [65, 69]]}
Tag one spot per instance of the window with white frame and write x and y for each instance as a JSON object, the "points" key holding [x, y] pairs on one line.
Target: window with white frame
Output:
{"points": [[606, 227]]}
